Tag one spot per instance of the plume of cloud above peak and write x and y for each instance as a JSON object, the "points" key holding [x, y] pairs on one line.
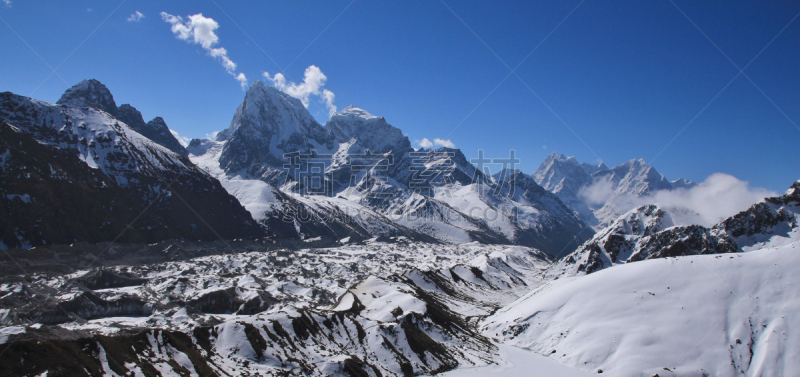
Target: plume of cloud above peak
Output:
{"points": [[313, 81], [426, 143], [202, 30], [135, 17], [444, 143]]}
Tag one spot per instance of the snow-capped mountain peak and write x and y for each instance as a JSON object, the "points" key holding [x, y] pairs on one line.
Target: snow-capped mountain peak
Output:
{"points": [[355, 111], [372, 132]]}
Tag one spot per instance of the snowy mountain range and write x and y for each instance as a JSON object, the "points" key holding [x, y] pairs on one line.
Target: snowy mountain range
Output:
{"points": [[360, 167], [357, 177], [286, 247], [405, 308], [599, 194], [91, 177]]}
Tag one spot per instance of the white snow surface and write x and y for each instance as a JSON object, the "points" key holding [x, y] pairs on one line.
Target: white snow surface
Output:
{"points": [[712, 315], [518, 362]]}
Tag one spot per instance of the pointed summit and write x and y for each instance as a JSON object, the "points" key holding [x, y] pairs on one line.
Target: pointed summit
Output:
{"points": [[266, 125], [266, 108], [89, 93]]}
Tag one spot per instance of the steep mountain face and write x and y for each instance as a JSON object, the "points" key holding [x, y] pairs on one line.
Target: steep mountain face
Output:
{"points": [[360, 166], [599, 194], [651, 231], [89, 93], [564, 175], [123, 174], [41, 186], [266, 125], [93, 94], [155, 130]]}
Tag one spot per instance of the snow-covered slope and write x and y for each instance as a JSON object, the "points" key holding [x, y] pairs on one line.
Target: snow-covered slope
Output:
{"points": [[709, 315], [93, 94]]}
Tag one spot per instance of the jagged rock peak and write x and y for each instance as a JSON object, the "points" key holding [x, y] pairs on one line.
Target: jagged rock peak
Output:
{"points": [[267, 109], [158, 121], [130, 116], [157, 130], [89, 93]]}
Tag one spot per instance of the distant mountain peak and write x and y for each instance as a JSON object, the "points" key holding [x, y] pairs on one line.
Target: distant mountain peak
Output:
{"points": [[373, 132], [354, 111], [89, 93]]}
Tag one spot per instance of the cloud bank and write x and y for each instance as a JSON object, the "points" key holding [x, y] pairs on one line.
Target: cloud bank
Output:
{"points": [[201, 30], [313, 81], [718, 197]]}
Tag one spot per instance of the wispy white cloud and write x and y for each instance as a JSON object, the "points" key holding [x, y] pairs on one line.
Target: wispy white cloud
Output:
{"points": [[424, 143], [135, 17], [7, 3], [202, 30], [242, 80], [313, 81], [444, 143]]}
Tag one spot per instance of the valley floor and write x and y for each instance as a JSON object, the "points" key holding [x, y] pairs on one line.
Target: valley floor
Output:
{"points": [[408, 308], [516, 362]]}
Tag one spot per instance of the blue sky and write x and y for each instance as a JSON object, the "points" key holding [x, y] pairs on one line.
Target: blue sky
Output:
{"points": [[608, 81]]}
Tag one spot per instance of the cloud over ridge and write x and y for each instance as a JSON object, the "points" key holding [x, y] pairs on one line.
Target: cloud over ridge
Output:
{"points": [[718, 197]]}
